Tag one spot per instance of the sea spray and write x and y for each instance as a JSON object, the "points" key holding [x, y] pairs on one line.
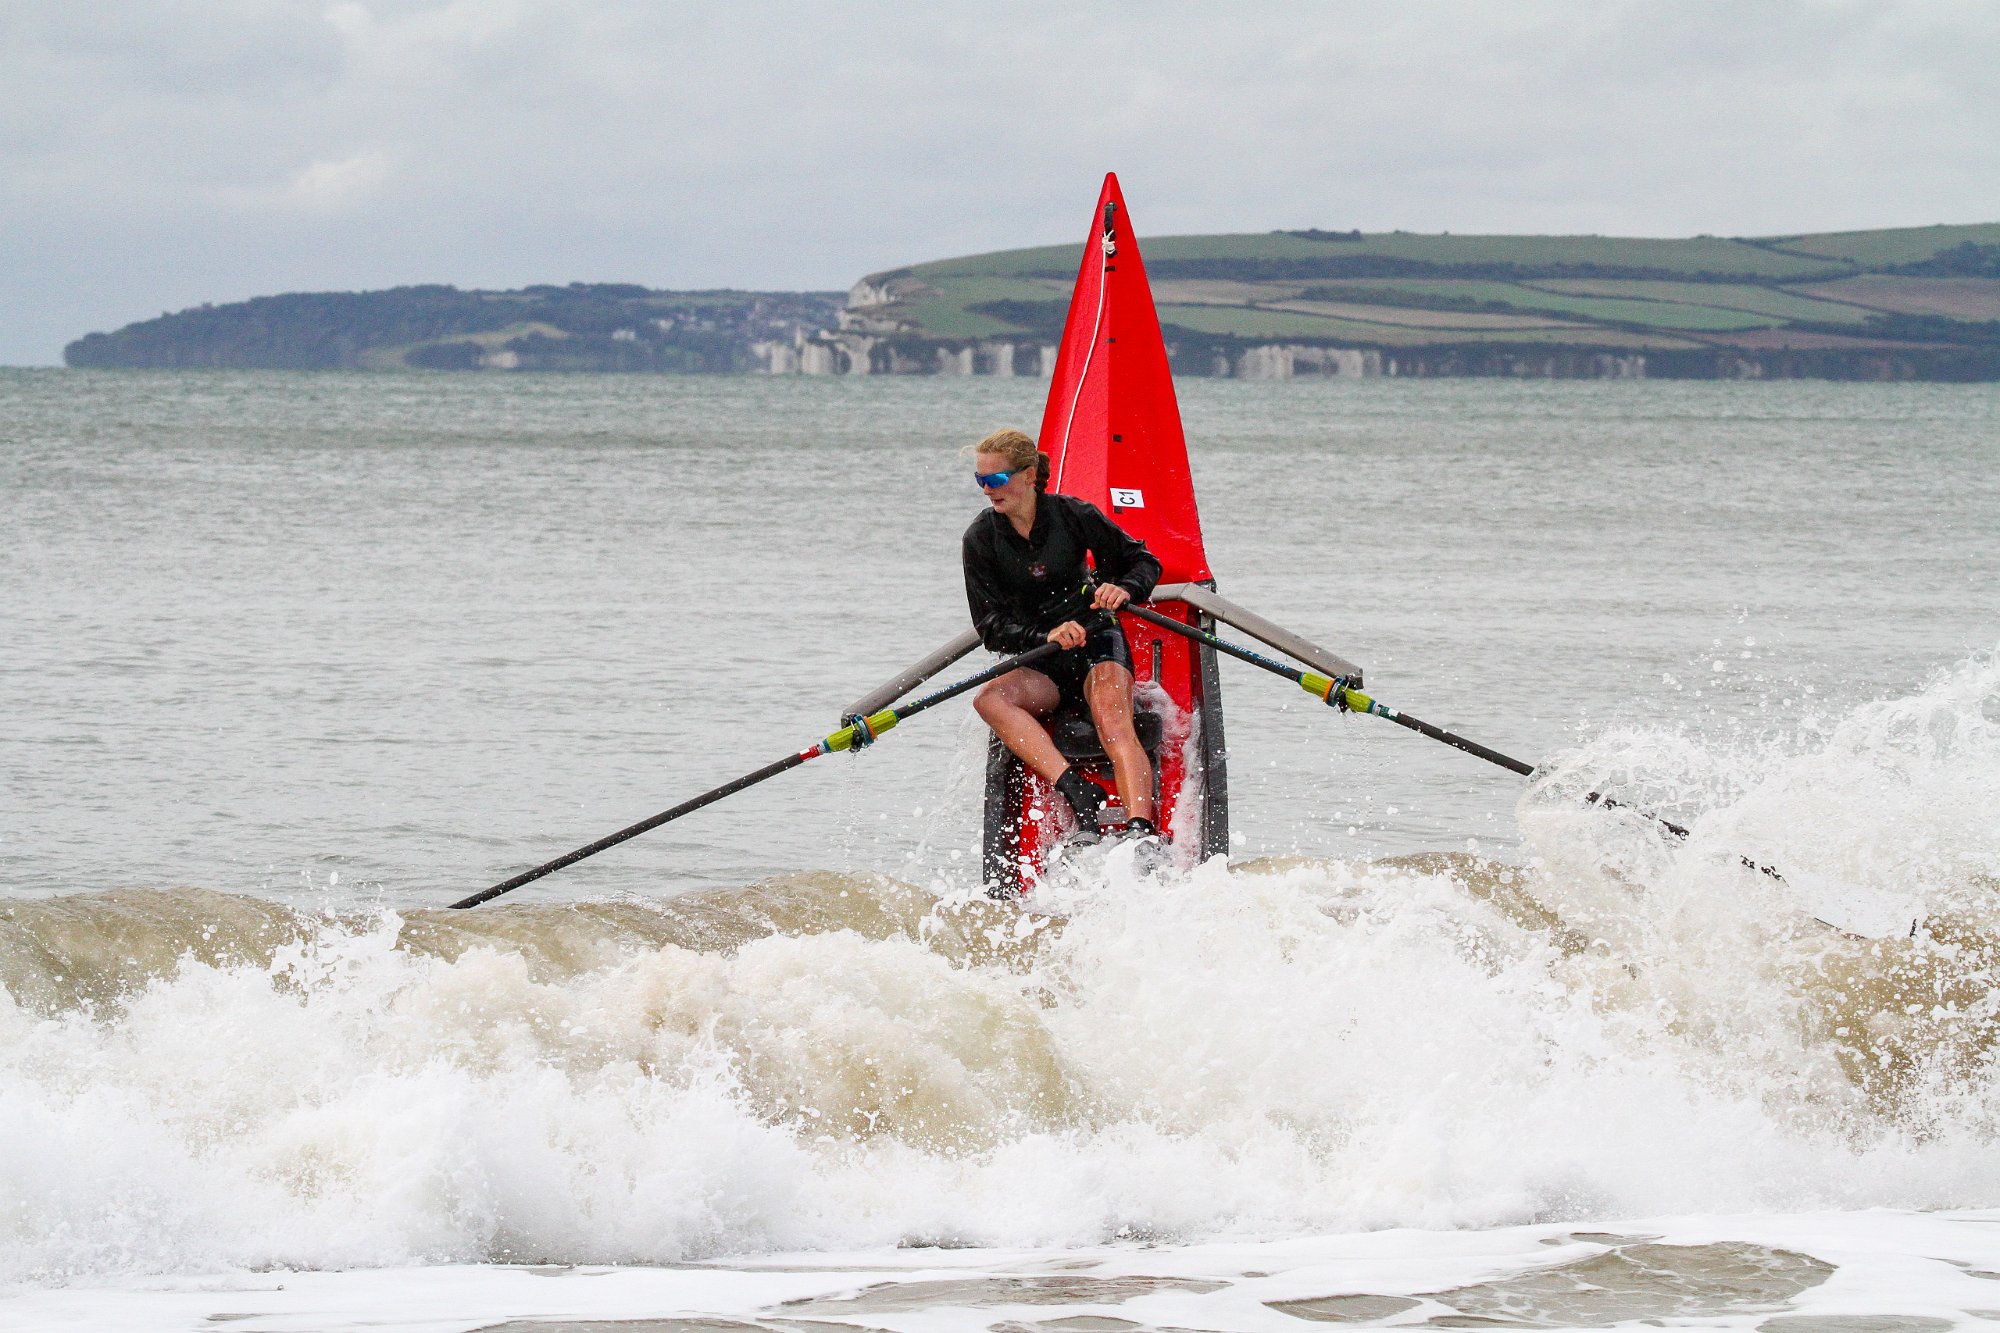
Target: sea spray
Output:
{"points": [[1625, 1023], [1860, 947]]}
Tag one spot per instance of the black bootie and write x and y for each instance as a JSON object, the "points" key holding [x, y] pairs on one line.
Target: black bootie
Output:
{"points": [[1149, 851], [1083, 797]]}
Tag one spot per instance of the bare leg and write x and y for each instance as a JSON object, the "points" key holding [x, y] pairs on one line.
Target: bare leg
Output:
{"points": [[1108, 690], [1014, 707]]}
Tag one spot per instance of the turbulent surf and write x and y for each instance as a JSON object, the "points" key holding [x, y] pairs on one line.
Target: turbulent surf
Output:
{"points": [[1620, 1024]]}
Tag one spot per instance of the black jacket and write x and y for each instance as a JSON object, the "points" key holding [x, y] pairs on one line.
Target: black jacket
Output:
{"points": [[1019, 589]]}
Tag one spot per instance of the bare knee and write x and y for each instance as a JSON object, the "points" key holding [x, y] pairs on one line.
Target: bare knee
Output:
{"points": [[1014, 693], [1115, 729], [1111, 711]]}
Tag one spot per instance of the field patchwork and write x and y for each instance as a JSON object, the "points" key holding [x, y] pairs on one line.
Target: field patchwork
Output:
{"points": [[1925, 289]]}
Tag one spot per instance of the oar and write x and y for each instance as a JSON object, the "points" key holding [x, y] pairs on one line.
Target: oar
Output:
{"points": [[1335, 692], [860, 731]]}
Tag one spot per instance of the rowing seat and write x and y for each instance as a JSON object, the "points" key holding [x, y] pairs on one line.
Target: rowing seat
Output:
{"points": [[1076, 737]]}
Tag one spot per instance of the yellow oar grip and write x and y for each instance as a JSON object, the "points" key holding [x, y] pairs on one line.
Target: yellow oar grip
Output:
{"points": [[1333, 692], [877, 723]]}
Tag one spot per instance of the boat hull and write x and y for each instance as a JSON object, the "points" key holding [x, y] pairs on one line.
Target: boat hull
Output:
{"points": [[1112, 428]]}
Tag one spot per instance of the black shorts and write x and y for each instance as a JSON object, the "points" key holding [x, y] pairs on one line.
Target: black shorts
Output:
{"points": [[1106, 643]]}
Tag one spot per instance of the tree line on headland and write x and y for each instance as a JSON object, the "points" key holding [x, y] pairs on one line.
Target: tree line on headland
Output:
{"points": [[1909, 303], [580, 327]]}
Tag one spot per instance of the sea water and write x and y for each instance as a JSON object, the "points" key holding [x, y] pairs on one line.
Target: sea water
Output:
{"points": [[290, 662]]}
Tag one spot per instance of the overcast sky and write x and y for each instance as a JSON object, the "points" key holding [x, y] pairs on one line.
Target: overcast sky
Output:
{"points": [[155, 154]]}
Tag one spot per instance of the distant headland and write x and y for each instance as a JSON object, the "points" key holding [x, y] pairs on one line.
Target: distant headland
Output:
{"points": [[1917, 303]]}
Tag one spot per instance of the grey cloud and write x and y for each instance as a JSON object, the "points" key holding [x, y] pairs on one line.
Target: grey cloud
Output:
{"points": [[155, 154]]}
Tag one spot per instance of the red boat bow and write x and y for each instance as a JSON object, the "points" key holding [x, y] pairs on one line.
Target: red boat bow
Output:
{"points": [[1112, 427]]}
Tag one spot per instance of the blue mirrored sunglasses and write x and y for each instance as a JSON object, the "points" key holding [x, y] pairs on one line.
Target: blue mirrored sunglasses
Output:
{"points": [[993, 481]]}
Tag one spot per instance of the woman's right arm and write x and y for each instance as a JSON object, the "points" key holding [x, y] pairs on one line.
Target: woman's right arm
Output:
{"points": [[999, 628]]}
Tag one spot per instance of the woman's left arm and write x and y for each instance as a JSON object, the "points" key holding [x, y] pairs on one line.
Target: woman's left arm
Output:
{"points": [[1123, 557]]}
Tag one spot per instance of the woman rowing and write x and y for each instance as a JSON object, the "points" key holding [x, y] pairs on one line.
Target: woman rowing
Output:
{"points": [[1027, 584]]}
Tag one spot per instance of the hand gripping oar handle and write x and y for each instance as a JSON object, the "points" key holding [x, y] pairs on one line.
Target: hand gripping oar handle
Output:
{"points": [[860, 732], [1335, 692]]}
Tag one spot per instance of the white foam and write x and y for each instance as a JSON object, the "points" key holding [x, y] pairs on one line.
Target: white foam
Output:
{"points": [[1250, 1053], [1892, 1268]]}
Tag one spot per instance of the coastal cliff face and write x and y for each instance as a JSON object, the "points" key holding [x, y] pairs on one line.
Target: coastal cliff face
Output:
{"points": [[884, 349], [830, 352]]}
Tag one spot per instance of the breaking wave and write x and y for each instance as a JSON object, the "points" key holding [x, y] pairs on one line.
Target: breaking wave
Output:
{"points": [[1625, 1023]]}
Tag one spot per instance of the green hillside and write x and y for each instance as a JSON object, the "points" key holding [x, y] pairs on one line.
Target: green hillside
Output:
{"points": [[1920, 302], [1912, 303]]}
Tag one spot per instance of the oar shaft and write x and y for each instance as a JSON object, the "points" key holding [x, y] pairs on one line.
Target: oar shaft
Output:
{"points": [[1599, 798], [1334, 691], [1339, 693], [994, 672], [634, 830], [843, 739], [1361, 703]]}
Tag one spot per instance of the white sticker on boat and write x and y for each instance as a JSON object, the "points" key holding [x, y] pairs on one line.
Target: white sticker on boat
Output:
{"points": [[1127, 497]]}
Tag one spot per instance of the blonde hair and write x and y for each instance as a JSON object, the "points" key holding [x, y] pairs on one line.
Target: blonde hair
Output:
{"points": [[1019, 450]]}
